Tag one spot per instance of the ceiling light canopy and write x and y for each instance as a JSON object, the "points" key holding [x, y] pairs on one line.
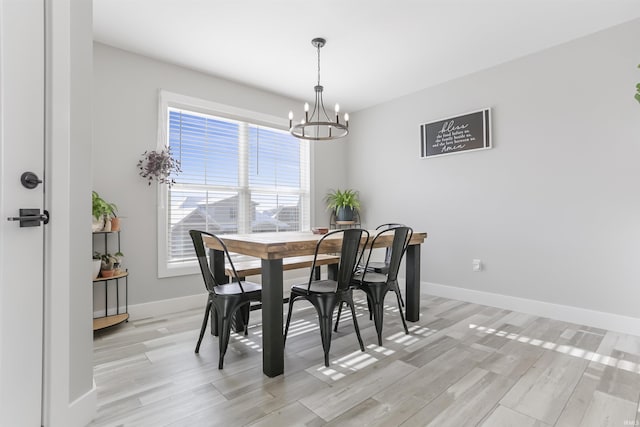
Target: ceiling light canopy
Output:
{"points": [[317, 126]]}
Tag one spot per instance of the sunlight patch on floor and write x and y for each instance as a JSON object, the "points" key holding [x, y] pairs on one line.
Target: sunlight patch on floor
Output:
{"points": [[564, 349]]}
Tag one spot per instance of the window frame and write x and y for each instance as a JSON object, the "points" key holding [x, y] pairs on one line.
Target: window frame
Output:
{"points": [[174, 100]]}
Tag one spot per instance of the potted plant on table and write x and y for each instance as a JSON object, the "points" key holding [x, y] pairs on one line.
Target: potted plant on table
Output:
{"points": [[102, 212], [345, 203]]}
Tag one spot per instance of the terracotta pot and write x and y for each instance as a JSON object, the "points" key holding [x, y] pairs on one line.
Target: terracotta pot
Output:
{"points": [[115, 224], [107, 273]]}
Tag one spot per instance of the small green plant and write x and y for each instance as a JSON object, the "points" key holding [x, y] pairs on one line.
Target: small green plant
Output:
{"points": [[108, 261], [342, 199], [97, 255], [102, 208]]}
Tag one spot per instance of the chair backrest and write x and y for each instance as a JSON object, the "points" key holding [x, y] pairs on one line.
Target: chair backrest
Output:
{"points": [[210, 280], [387, 255], [350, 254], [401, 237]]}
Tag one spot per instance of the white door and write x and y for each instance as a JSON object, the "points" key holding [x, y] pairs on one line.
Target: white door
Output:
{"points": [[21, 248]]}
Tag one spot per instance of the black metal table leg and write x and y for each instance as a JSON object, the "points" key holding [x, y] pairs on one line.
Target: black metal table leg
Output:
{"points": [[413, 283], [272, 337]]}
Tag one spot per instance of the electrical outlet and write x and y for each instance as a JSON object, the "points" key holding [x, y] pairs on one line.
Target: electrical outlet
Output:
{"points": [[477, 265]]}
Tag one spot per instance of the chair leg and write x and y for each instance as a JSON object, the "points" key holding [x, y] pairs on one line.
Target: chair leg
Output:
{"points": [[400, 297], [355, 324], [400, 305], [335, 327], [225, 333], [286, 328], [204, 325], [325, 307], [243, 316], [214, 321], [376, 294]]}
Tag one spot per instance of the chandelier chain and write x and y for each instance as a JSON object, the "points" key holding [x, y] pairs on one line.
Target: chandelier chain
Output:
{"points": [[318, 65]]}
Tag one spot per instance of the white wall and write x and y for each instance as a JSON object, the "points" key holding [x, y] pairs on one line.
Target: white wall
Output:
{"points": [[553, 211], [126, 89]]}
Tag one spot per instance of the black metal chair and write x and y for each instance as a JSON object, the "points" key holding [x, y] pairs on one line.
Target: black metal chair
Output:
{"points": [[224, 299], [376, 285], [383, 266], [325, 295]]}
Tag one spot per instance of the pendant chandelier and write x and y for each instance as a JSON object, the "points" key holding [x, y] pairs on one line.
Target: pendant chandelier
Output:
{"points": [[317, 126]]}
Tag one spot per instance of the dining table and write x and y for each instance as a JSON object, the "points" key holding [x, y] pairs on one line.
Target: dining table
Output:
{"points": [[272, 248]]}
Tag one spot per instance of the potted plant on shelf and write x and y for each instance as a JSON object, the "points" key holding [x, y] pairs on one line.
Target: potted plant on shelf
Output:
{"points": [[159, 166], [97, 261], [107, 267], [102, 211], [117, 265], [344, 202]]}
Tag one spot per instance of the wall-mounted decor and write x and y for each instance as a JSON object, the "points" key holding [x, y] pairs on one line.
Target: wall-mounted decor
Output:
{"points": [[466, 132]]}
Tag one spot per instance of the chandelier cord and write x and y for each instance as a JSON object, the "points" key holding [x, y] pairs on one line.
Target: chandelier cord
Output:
{"points": [[318, 65]]}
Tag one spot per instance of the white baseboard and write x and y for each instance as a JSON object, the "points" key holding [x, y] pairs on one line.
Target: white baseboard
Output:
{"points": [[166, 306], [567, 313], [83, 409], [174, 305]]}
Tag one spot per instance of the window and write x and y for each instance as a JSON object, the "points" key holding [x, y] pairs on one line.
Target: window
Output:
{"points": [[240, 174]]}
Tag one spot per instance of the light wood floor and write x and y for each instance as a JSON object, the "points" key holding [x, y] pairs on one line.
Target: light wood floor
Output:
{"points": [[462, 365]]}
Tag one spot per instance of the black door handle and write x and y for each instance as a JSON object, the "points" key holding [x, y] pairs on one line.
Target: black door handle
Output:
{"points": [[31, 217]]}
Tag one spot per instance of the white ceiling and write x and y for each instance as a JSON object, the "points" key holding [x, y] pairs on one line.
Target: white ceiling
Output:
{"points": [[377, 50]]}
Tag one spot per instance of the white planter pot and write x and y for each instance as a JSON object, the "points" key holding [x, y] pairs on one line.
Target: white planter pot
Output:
{"points": [[96, 224], [96, 268]]}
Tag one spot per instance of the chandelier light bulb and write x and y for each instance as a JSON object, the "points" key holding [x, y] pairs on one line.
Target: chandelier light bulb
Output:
{"points": [[346, 118], [306, 107], [337, 108]]}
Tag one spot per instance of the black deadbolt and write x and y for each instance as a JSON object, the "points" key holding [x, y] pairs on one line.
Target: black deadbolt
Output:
{"points": [[30, 180]]}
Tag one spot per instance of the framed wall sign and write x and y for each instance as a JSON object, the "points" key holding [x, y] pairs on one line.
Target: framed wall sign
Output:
{"points": [[459, 134]]}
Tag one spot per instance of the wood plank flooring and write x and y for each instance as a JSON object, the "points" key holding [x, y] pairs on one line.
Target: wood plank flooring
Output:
{"points": [[462, 365]]}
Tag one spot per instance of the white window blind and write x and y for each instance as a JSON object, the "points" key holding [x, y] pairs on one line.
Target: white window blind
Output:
{"points": [[237, 177]]}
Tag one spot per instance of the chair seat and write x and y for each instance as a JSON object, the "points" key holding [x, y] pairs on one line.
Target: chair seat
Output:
{"points": [[370, 277], [378, 266], [317, 287], [234, 288]]}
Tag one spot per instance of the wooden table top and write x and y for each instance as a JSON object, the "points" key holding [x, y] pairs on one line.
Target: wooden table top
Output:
{"points": [[292, 243]]}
